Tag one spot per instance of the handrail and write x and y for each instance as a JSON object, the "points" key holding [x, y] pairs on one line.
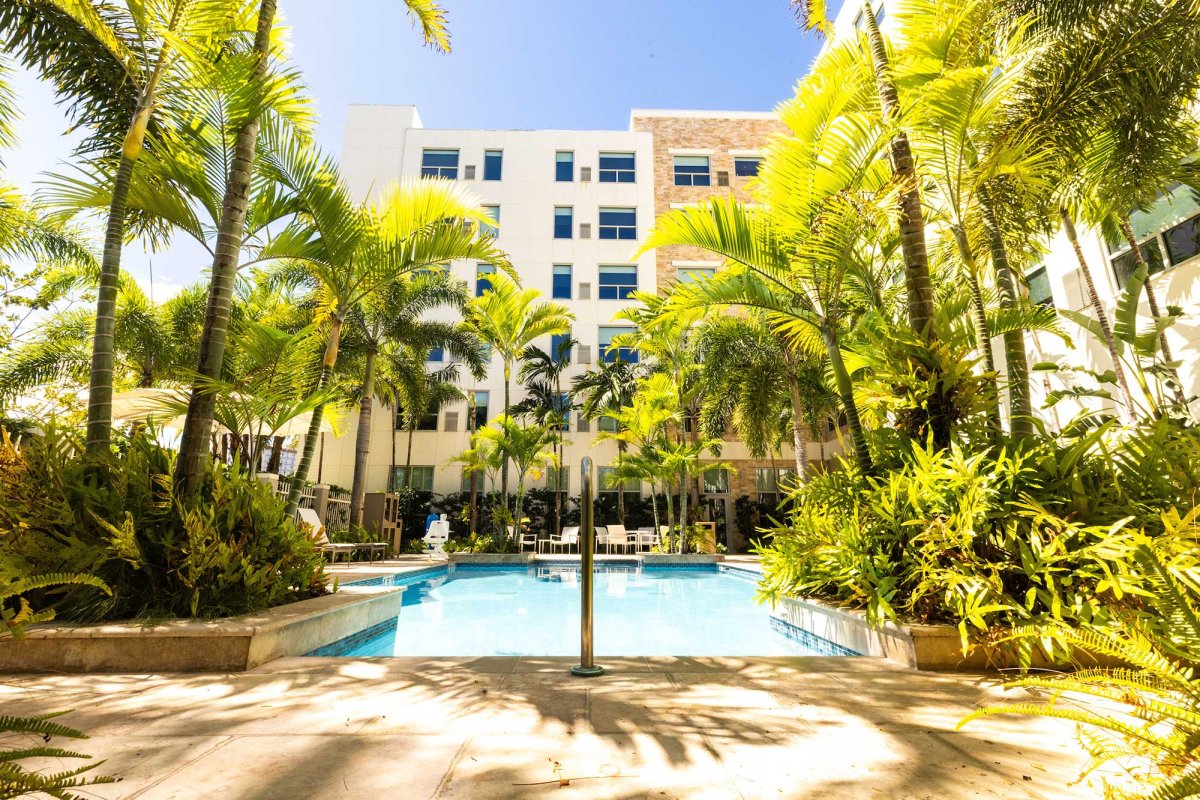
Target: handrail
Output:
{"points": [[586, 668]]}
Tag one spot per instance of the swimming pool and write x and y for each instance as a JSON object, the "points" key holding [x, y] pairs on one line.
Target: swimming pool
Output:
{"points": [[479, 610]]}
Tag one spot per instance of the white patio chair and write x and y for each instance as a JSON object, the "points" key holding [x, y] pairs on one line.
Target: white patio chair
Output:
{"points": [[645, 539], [567, 539], [601, 539], [528, 538], [618, 537], [436, 537]]}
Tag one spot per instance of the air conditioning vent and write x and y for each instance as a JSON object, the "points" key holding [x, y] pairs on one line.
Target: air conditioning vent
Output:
{"points": [[583, 425], [585, 230], [722, 178], [585, 293], [584, 355], [469, 172], [451, 421], [585, 174]]}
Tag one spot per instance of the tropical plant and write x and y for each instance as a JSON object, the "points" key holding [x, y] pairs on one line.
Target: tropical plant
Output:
{"points": [[542, 373], [485, 460], [529, 447], [37, 733], [602, 391], [510, 319], [431, 19], [1144, 714]]}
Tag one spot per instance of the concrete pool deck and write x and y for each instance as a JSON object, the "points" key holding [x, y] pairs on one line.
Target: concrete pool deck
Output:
{"points": [[490, 728]]}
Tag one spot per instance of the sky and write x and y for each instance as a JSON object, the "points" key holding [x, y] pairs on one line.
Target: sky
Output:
{"points": [[523, 64]]}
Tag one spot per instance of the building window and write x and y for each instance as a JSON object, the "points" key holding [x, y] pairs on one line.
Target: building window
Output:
{"points": [[564, 221], [481, 411], [716, 481], [773, 484], [607, 423], [563, 407], [617, 283], [746, 167], [1183, 241], [692, 171], [607, 484], [422, 478], [483, 282], [618, 223], [439, 164], [1039, 287], [560, 348], [617, 168], [469, 477], [693, 274], [560, 284], [493, 164], [1123, 264], [428, 420], [607, 332], [493, 229], [564, 166], [436, 354]]}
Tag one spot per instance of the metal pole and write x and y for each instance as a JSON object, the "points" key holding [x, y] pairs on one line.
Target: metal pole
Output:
{"points": [[586, 668]]}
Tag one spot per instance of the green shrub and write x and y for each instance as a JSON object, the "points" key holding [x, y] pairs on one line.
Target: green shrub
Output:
{"points": [[989, 541], [230, 550], [1145, 714], [481, 543]]}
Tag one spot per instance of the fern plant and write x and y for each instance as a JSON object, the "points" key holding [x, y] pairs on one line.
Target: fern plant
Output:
{"points": [[17, 613], [37, 733], [1142, 717]]}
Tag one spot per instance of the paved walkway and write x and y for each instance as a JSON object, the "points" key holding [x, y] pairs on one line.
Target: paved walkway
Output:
{"points": [[492, 728]]}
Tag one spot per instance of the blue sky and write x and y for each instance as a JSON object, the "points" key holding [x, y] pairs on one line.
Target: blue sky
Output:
{"points": [[515, 64]]}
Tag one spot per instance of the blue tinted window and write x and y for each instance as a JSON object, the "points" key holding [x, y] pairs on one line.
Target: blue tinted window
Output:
{"points": [[627, 354], [482, 281], [691, 171], [481, 411], [493, 161], [439, 164], [618, 223], [564, 166], [617, 168], [563, 222], [746, 167], [558, 347], [436, 354], [561, 287], [617, 283], [564, 408]]}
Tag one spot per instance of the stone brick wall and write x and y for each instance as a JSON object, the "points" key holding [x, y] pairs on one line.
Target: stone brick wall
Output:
{"points": [[721, 134]]}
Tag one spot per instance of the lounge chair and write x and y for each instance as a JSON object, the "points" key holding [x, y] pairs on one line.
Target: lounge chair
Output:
{"points": [[436, 537], [567, 539], [316, 531], [309, 517], [618, 537]]}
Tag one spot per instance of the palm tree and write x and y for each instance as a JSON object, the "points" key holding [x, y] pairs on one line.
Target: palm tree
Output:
{"points": [[345, 252], [510, 319], [542, 373], [483, 458], [146, 47], [749, 384], [530, 448], [153, 344], [389, 324], [238, 181], [910, 215], [603, 391]]}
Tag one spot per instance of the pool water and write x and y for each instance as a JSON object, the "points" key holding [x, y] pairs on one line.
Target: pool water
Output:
{"points": [[534, 611]]}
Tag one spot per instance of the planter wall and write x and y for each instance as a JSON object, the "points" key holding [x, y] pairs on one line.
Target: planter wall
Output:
{"points": [[491, 558], [228, 645], [661, 559]]}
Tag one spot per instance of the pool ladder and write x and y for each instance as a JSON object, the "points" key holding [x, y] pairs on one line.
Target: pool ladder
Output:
{"points": [[586, 668]]}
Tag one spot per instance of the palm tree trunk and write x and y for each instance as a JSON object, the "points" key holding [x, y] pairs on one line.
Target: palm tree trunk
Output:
{"points": [[983, 342], [391, 484], [1020, 402], [474, 513], [798, 439], [683, 498], [362, 441], [845, 388], [621, 448], [670, 517], [653, 507], [1101, 316], [504, 469], [190, 464], [918, 289], [1152, 301], [273, 463], [314, 427]]}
